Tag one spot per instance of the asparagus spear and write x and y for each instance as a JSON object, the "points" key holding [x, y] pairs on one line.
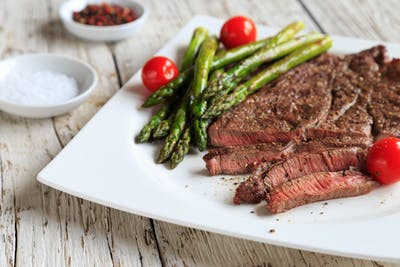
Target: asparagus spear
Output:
{"points": [[177, 127], [199, 105], [272, 72], [162, 129], [202, 65], [145, 133], [198, 37], [215, 75], [226, 58], [238, 53], [200, 125], [200, 132], [201, 71], [181, 148], [230, 79]]}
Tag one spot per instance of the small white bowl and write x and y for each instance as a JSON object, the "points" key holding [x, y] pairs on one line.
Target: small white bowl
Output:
{"points": [[101, 33], [84, 74]]}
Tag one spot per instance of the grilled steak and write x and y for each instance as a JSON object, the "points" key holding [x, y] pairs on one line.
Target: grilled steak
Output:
{"points": [[317, 187], [268, 175], [329, 96], [353, 108], [278, 113]]}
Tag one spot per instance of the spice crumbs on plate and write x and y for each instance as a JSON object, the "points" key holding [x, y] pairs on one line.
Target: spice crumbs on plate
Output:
{"points": [[271, 231]]}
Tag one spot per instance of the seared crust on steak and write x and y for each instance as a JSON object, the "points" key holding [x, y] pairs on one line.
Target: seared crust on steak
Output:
{"points": [[279, 112]]}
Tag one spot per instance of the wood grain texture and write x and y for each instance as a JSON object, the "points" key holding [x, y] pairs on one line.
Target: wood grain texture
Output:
{"points": [[40, 226], [370, 19]]}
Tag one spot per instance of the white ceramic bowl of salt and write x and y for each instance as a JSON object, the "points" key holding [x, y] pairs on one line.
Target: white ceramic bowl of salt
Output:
{"points": [[44, 85]]}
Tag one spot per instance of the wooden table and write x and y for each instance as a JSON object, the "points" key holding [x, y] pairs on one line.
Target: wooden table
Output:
{"points": [[44, 227]]}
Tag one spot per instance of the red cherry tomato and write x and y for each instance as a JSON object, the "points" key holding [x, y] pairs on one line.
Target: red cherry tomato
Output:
{"points": [[157, 72], [383, 160], [238, 31]]}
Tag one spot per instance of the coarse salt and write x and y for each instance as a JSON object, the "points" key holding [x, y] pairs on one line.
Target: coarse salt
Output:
{"points": [[37, 88]]}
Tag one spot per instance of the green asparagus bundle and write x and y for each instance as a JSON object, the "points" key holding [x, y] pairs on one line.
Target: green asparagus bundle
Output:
{"points": [[220, 61], [263, 77]]}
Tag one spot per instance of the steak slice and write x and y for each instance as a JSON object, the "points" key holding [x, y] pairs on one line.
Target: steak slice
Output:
{"points": [[280, 112], [244, 159], [269, 175], [317, 187]]}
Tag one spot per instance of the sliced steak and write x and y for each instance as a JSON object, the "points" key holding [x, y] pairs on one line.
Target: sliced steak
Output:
{"points": [[317, 187], [268, 175], [280, 112], [244, 159]]}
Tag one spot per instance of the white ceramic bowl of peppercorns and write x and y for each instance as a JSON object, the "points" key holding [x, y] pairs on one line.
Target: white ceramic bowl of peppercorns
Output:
{"points": [[97, 20]]}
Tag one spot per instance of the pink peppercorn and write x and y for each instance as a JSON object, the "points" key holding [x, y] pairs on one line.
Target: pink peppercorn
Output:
{"points": [[104, 15]]}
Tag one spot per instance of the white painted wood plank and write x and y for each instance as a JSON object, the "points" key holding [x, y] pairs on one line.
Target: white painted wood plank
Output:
{"points": [[371, 19], [52, 228]]}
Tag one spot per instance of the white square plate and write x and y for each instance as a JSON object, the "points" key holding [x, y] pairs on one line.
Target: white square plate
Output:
{"points": [[104, 165]]}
